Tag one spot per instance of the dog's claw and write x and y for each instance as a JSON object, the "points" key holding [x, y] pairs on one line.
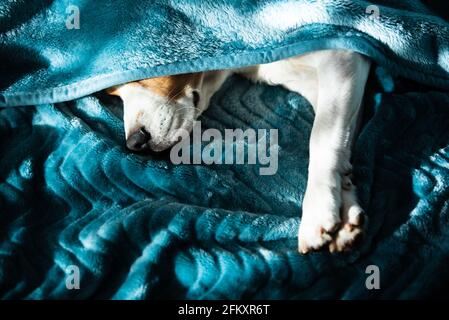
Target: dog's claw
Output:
{"points": [[350, 235]]}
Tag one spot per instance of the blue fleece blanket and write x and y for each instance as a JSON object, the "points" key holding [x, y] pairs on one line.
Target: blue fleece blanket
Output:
{"points": [[72, 198]]}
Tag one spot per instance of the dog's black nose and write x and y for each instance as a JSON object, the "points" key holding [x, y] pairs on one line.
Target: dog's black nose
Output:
{"points": [[138, 141]]}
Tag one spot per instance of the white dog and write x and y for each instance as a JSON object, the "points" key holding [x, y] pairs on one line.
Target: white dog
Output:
{"points": [[333, 81]]}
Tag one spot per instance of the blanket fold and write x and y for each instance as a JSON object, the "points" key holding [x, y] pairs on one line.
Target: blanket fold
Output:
{"points": [[56, 51]]}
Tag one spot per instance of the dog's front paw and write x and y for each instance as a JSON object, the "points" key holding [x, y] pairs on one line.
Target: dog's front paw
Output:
{"points": [[320, 218], [332, 218]]}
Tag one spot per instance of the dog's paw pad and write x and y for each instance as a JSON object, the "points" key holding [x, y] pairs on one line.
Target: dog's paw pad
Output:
{"points": [[350, 235], [315, 238]]}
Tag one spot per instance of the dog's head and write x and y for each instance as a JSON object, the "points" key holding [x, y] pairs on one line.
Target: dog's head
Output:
{"points": [[157, 110]]}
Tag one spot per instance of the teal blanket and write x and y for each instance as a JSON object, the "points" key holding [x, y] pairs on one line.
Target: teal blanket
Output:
{"points": [[72, 198]]}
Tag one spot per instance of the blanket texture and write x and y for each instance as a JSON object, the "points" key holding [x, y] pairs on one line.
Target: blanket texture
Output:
{"points": [[139, 227]]}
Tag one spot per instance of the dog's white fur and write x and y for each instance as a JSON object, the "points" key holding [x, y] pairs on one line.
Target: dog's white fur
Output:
{"points": [[333, 81]]}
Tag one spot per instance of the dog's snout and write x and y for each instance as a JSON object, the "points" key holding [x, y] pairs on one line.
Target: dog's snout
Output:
{"points": [[138, 141]]}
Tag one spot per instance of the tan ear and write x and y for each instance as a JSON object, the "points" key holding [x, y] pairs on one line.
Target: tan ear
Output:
{"points": [[113, 91]]}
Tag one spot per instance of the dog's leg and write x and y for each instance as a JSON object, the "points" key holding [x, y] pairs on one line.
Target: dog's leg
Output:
{"points": [[331, 214], [333, 81], [296, 74]]}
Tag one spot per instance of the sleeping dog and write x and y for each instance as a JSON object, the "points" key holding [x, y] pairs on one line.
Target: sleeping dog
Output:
{"points": [[333, 81]]}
